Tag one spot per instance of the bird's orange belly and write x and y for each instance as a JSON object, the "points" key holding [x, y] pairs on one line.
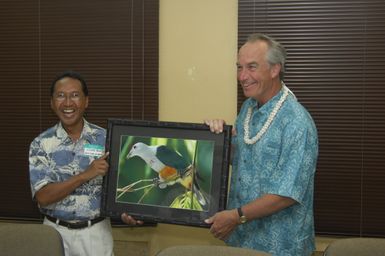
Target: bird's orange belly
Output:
{"points": [[168, 173]]}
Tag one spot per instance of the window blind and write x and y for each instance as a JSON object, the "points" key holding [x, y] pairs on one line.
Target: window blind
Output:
{"points": [[335, 66], [113, 44]]}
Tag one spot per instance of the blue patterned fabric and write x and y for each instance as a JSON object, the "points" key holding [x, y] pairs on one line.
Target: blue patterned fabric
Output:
{"points": [[54, 157], [282, 162]]}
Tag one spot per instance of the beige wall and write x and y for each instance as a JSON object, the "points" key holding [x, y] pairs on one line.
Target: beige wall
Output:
{"points": [[197, 80], [197, 54]]}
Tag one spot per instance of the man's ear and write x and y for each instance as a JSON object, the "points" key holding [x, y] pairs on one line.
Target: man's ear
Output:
{"points": [[275, 70]]}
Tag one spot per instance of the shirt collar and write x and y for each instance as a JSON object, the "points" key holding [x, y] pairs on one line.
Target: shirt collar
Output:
{"points": [[268, 105], [62, 134]]}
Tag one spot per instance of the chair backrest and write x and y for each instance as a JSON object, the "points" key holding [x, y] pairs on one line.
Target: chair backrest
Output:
{"points": [[356, 247], [208, 250], [20, 239]]}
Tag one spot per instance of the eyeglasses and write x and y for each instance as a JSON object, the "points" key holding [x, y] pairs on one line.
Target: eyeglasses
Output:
{"points": [[73, 96]]}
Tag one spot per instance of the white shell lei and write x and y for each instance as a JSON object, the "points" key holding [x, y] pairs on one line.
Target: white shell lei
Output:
{"points": [[269, 120]]}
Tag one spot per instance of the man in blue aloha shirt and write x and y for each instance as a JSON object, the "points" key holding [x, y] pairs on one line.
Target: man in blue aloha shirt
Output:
{"points": [[275, 147], [66, 164]]}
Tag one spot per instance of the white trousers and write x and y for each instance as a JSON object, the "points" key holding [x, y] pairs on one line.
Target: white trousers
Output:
{"points": [[95, 240]]}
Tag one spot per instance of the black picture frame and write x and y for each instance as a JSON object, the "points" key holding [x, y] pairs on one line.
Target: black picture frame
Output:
{"points": [[166, 172]]}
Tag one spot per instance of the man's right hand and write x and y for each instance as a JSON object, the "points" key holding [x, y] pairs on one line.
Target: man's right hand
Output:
{"points": [[216, 125], [97, 167]]}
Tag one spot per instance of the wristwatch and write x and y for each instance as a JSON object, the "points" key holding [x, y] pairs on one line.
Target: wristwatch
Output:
{"points": [[242, 218]]}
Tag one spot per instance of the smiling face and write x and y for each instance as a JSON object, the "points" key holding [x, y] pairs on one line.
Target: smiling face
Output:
{"points": [[259, 79], [69, 103]]}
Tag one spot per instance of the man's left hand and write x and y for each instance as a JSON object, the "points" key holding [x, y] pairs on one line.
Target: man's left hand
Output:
{"points": [[223, 223], [130, 220]]}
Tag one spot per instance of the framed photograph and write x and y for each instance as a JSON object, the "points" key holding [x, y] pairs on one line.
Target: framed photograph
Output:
{"points": [[165, 171]]}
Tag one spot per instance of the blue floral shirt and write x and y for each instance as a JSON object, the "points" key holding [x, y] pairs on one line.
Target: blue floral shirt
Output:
{"points": [[282, 162], [54, 157]]}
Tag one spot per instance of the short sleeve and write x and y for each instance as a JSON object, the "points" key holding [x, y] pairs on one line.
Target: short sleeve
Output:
{"points": [[295, 170], [38, 167]]}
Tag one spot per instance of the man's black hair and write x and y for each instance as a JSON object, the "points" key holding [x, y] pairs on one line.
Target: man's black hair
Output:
{"points": [[71, 74]]}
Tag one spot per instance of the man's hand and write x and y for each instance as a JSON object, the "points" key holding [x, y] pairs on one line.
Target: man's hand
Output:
{"points": [[216, 125], [223, 223], [97, 167], [130, 220]]}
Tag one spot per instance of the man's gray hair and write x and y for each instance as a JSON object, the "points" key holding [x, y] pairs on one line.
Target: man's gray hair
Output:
{"points": [[276, 53]]}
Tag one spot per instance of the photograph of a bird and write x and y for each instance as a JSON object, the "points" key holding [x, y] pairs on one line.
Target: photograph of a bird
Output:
{"points": [[171, 166]]}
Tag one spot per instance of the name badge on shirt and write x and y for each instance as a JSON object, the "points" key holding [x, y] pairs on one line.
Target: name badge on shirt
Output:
{"points": [[93, 150]]}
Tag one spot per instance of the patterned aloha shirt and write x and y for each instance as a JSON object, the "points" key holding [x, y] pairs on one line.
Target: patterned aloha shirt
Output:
{"points": [[54, 157], [282, 162]]}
